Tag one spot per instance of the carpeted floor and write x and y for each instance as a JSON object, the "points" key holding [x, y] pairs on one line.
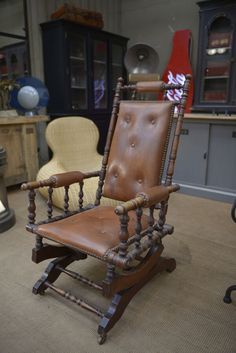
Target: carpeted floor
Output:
{"points": [[181, 312]]}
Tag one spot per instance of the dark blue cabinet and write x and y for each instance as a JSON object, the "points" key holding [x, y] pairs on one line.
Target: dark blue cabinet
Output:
{"points": [[81, 66], [215, 89]]}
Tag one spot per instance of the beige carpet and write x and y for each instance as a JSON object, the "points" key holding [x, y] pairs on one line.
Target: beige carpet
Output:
{"points": [[181, 312]]}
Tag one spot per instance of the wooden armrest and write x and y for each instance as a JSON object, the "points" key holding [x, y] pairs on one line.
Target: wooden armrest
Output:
{"points": [[58, 180], [156, 194], [147, 198], [130, 205]]}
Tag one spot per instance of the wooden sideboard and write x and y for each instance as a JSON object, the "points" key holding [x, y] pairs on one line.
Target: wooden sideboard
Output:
{"points": [[19, 138]]}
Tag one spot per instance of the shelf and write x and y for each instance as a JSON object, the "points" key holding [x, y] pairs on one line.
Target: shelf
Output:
{"points": [[215, 77], [99, 62], [116, 64], [82, 107], [217, 51], [214, 101], [77, 58], [78, 87]]}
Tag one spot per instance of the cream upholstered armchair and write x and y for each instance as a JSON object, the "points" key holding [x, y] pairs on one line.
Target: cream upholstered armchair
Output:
{"points": [[73, 141]]}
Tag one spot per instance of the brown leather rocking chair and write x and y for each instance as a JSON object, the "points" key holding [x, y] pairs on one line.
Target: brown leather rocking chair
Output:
{"points": [[126, 239]]}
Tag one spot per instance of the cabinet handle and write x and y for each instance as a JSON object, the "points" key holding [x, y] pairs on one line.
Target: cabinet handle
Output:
{"points": [[29, 130], [184, 132], [205, 155], [234, 134]]}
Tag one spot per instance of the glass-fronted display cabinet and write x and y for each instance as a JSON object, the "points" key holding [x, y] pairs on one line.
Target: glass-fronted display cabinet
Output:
{"points": [[81, 66], [216, 73]]}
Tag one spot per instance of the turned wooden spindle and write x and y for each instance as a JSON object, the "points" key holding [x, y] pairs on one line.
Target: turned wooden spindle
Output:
{"points": [[110, 133], [110, 273], [49, 203], [74, 299], [166, 145], [80, 278], [38, 242], [31, 206], [175, 143], [138, 228], [81, 195], [66, 200], [150, 222], [32, 216], [124, 235], [162, 215]]}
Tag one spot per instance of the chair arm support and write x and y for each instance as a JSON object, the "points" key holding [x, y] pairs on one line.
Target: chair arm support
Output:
{"points": [[59, 180], [130, 205], [147, 198]]}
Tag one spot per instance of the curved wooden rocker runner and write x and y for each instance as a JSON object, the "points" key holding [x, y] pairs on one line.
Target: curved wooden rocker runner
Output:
{"points": [[123, 237]]}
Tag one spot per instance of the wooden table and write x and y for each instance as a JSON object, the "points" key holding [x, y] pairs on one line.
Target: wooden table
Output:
{"points": [[19, 138]]}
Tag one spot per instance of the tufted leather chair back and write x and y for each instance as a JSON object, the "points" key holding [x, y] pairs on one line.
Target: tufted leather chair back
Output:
{"points": [[138, 148]]}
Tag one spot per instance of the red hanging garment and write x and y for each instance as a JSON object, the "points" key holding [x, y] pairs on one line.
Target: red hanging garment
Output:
{"points": [[179, 65]]}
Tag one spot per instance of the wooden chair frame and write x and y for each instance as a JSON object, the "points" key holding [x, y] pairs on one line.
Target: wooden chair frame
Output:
{"points": [[139, 257]]}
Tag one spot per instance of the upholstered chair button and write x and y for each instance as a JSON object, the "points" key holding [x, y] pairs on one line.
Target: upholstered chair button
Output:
{"points": [[140, 181], [132, 145], [115, 175], [153, 121], [127, 119]]}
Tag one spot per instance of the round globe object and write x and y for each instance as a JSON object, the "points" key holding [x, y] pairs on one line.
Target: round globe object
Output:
{"points": [[28, 97]]}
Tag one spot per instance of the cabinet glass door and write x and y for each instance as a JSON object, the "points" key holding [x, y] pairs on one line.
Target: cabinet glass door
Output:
{"points": [[78, 73], [100, 74], [218, 61], [117, 64]]}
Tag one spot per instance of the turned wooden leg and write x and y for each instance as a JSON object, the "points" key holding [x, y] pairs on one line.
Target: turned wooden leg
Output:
{"points": [[122, 299], [52, 272]]}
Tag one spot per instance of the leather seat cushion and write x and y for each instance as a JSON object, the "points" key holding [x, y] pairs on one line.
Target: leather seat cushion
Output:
{"points": [[94, 232]]}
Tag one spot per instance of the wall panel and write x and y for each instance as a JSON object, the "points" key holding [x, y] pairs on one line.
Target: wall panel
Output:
{"points": [[154, 22]]}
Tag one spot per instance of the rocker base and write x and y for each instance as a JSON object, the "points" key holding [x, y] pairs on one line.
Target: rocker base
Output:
{"points": [[52, 273], [122, 299], [119, 301]]}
